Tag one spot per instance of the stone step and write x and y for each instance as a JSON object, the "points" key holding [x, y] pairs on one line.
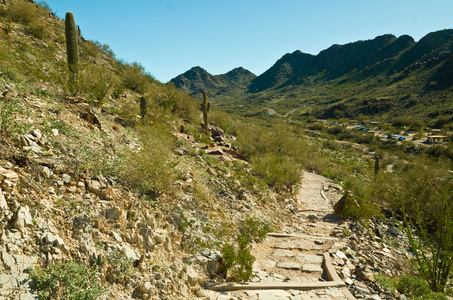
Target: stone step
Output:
{"points": [[274, 285], [292, 235]]}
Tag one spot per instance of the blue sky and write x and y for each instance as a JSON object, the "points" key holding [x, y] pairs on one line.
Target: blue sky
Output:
{"points": [[168, 37]]}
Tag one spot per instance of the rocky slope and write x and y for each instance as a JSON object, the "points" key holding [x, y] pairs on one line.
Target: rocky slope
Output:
{"points": [[54, 210]]}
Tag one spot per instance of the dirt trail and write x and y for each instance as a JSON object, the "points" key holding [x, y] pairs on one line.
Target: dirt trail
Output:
{"points": [[295, 263]]}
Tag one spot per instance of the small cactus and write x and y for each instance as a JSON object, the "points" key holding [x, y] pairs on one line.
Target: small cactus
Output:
{"points": [[182, 129], [376, 165], [205, 107], [143, 107], [71, 48]]}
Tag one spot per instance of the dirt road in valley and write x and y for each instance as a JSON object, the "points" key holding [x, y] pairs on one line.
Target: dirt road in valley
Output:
{"points": [[296, 262]]}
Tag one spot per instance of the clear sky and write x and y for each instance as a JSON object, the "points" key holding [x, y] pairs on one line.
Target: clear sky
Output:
{"points": [[168, 37]]}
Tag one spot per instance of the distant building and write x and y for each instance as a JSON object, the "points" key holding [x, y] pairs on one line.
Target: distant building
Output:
{"points": [[434, 139]]}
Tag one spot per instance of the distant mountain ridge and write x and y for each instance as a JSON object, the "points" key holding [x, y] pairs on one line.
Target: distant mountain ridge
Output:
{"points": [[197, 80], [387, 59]]}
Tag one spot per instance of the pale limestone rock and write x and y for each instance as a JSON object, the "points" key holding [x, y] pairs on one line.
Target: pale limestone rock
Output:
{"points": [[7, 186], [130, 253], [289, 265], [117, 237], [53, 240], [113, 213], [3, 204], [192, 276], [55, 132], [23, 218], [312, 268]]}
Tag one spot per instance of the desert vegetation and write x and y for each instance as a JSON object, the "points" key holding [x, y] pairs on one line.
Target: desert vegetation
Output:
{"points": [[149, 157]]}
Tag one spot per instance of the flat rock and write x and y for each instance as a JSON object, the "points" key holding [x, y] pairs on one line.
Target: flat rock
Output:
{"points": [[274, 294], [283, 253], [8, 261], [214, 151], [289, 265], [310, 258], [267, 263], [312, 268]]}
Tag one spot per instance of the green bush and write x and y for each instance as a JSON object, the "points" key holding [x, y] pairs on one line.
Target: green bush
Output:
{"points": [[98, 81], [360, 209], [411, 286], [136, 78], [418, 183], [237, 261], [177, 102], [23, 12], [277, 154], [277, 171], [150, 169], [411, 123], [417, 288], [386, 283], [224, 121], [66, 281], [40, 29], [433, 250], [256, 228], [120, 267]]}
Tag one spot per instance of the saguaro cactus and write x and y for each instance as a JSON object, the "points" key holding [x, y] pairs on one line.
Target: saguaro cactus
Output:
{"points": [[71, 48], [143, 107], [376, 165], [205, 107]]}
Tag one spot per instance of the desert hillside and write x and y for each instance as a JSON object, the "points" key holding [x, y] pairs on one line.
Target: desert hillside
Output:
{"points": [[114, 185]]}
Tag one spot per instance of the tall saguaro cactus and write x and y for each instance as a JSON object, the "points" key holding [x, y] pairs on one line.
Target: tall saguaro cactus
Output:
{"points": [[377, 165], [205, 107], [71, 48], [143, 108]]}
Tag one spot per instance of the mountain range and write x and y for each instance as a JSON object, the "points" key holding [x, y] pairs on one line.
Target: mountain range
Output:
{"points": [[367, 77]]}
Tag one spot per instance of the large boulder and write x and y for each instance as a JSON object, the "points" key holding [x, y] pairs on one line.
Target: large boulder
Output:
{"points": [[217, 133], [347, 198]]}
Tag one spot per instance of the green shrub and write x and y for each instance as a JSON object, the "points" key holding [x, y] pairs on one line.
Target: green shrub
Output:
{"points": [[411, 123], [177, 102], [417, 288], [277, 154], [360, 209], [120, 267], [277, 171], [237, 261], [97, 81], [386, 283], [23, 12], [150, 169], [433, 250], [419, 183], [224, 121], [40, 29], [136, 78], [66, 281], [256, 228]]}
